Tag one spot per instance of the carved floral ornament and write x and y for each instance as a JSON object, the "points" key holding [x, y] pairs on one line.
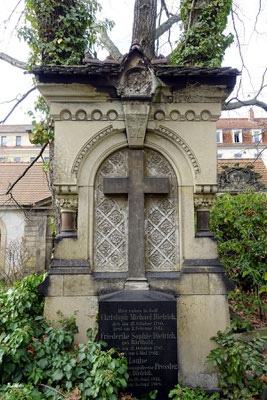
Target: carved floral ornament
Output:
{"points": [[67, 203], [204, 202]]}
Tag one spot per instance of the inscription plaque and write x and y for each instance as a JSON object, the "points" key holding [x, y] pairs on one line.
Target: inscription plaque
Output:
{"points": [[143, 326]]}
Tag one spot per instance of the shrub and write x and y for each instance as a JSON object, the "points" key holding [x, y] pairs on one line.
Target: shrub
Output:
{"points": [[239, 224], [34, 353], [241, 365], [184, 393]]}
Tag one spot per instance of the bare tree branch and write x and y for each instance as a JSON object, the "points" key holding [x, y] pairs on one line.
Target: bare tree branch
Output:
{"points": [[244, 103], [17, 103], [109, 45], [13, 61], [27, 169], [167, 25]]}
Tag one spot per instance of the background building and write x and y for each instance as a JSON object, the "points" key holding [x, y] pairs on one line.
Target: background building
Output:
{"points": [[15, 145], [242, 138]]}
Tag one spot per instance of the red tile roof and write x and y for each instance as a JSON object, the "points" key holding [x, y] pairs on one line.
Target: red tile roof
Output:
{"points": [[13, 128], [258, 164], [32, 188], [239, 123]]}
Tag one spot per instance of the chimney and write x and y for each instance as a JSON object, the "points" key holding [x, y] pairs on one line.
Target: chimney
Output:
{"points": [[250, 114]]}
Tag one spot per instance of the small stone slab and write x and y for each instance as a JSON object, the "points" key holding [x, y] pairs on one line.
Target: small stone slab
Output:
{"points": [[143, 326]]}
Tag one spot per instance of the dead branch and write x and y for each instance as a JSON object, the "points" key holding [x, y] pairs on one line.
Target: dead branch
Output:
{"points": [[167, 25], [27, 169], [17, 103], [13, 61]]}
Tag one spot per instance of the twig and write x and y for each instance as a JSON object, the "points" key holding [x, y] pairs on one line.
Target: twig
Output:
{"points": [[18, 102], [27, 169], [54, 390]]}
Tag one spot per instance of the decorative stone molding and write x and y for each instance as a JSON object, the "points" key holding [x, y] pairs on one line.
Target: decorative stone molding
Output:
{"points": [[84, 150], [206, 189], [67, 203], [136, 118], [83, 115], [204, 202], [175, 138], [65, 189], [176, 115]]}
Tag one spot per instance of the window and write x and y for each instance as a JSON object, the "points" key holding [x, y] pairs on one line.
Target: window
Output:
{"points": [[17, 159], [256, 136], [18, 140], [219, 135], [3, 140], [46, 159], [2, 159], [237, 136], [257, 155], [238, 155], [219, 155], [32, 159]]}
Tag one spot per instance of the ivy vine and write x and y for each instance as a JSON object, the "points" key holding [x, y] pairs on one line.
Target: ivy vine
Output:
{"points": [[60, 32], [203, 42]]}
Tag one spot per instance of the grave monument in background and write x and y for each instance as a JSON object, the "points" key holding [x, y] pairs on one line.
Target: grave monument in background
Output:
{"points": [[135, 162]]}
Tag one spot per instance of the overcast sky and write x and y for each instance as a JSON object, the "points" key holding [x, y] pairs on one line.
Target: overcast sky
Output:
{"points": [[14, 82]]}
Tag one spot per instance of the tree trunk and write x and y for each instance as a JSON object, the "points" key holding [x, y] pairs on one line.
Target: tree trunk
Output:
{"points": [[144, 26]]}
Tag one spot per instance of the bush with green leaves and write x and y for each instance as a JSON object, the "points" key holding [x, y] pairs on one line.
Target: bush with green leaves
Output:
{"points": [[34, 353], [239, 224], [203, 42], [59, 32], [184, 393], [241, 365]]}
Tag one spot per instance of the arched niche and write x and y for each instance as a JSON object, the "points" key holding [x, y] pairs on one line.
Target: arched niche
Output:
{"points": [[110, 239]]}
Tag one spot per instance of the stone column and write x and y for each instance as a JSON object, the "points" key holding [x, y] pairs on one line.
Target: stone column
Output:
{"points": [[202, 204], [68, 210]]}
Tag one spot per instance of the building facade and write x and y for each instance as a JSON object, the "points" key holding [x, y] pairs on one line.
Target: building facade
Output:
{"points": [[242, 138], [15, 145]]}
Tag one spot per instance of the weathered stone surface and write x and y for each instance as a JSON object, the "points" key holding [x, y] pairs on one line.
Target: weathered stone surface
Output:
{"points": [[200, 318], [86, 307]]}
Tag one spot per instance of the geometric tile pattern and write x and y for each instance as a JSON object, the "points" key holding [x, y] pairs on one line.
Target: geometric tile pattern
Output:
{"points": [[161, 218], [111, 218], [111, 228]]}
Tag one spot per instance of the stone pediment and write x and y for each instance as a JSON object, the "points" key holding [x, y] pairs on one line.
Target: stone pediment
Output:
{"points": [[136, 79]]}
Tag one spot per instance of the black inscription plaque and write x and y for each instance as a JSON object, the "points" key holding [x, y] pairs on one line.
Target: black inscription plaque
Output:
{"points": [[143, 326]]}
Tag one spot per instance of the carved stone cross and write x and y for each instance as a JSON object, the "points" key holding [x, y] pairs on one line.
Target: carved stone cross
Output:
{"points": [[136, 185]]}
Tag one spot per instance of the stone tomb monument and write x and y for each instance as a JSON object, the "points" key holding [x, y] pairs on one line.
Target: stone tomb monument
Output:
{"points": [[135, 166]]}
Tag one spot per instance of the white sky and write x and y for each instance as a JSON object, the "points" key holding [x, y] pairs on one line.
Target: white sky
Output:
{"points": [[14, 82]]}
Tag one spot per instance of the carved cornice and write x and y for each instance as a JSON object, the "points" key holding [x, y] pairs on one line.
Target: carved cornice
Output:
{"points": [[84, 150], [177, 140]]}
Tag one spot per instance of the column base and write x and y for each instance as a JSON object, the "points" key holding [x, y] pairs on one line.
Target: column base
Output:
{"points": [[136, 284]]}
